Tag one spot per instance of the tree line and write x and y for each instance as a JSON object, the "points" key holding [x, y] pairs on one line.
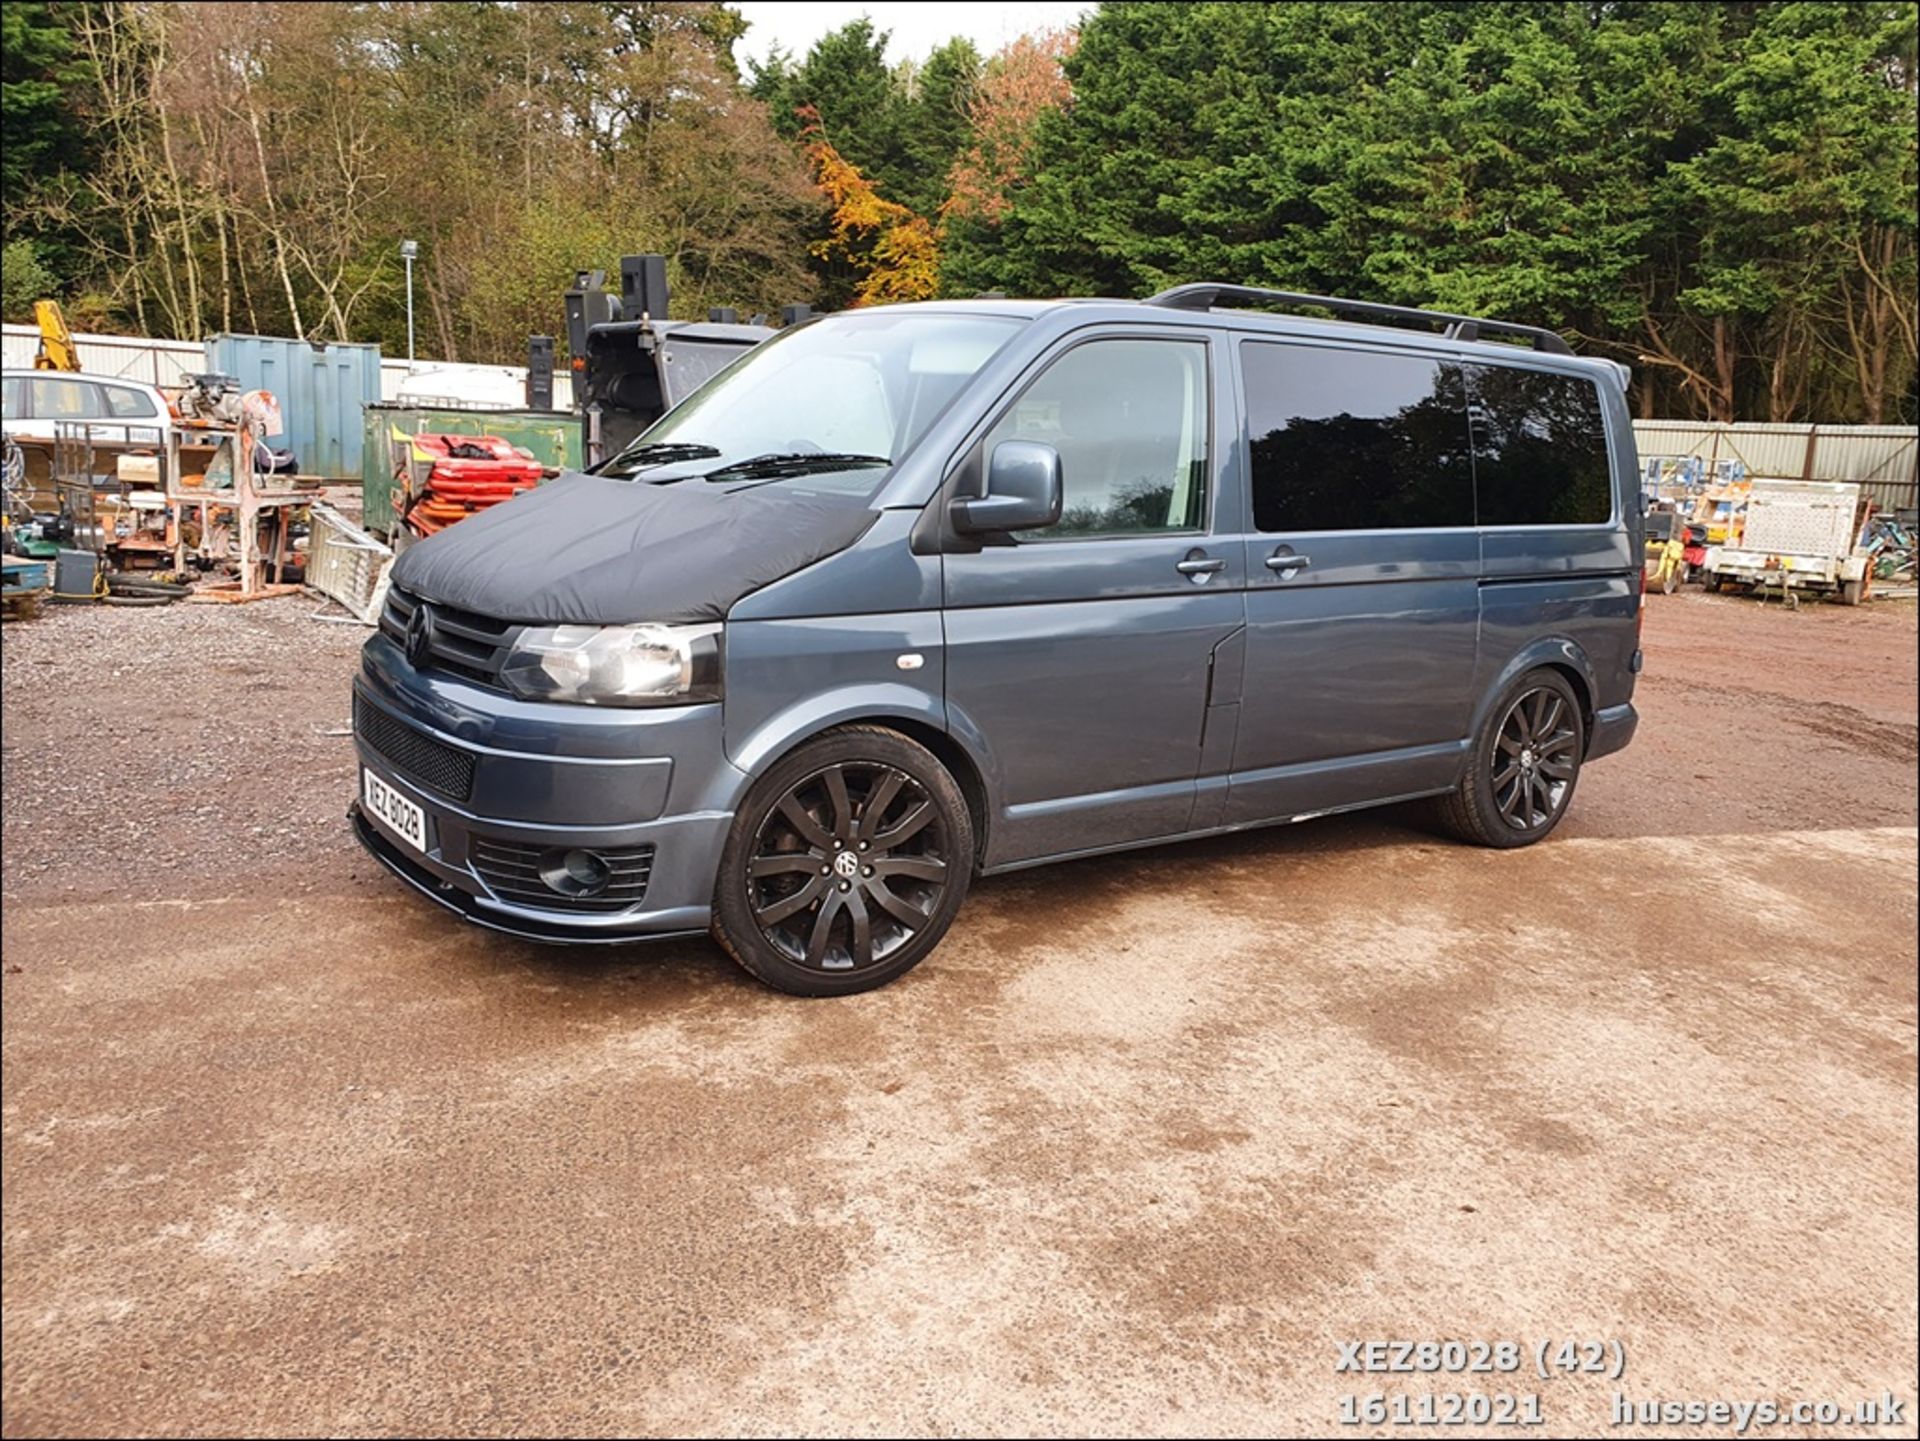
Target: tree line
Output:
{"points": [[1720, 194]]}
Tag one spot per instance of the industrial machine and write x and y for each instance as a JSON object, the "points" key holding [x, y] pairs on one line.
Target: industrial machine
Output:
{"points": [[210, 396], [630, 364]]}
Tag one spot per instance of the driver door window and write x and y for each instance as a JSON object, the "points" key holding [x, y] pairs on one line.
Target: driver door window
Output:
{"points": [[1129, 418]]}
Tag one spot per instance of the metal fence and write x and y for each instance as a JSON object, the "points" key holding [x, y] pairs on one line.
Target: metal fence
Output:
{"points": [[1883, 458], [126, 357], [167, 363]]}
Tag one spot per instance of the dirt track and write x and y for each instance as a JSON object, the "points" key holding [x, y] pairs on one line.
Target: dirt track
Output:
{"points": [[1148, 1137]]}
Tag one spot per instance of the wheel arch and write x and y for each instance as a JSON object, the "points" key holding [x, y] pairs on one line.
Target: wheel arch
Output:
{"points": [[908, 715], [1555, 653]]}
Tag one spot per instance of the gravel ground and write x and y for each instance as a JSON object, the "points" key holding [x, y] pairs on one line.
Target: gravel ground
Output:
{"points": [[194, 750], [289, 1152], [184, 750]]}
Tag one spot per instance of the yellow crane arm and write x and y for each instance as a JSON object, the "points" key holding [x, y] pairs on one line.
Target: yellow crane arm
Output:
{"points": [[57, 351]]}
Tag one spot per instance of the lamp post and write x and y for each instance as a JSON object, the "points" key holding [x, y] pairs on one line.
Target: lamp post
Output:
{"points": [[409, 249]]}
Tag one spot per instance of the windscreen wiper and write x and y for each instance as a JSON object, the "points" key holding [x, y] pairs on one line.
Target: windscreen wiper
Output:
{"points": [[661, 452], [776, 464]]}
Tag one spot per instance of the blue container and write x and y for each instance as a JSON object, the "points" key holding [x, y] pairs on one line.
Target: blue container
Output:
{"points": [[322, 389]]}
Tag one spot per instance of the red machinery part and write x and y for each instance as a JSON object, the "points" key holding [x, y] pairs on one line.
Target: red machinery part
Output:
{"points": [[469, 473], [478, 491]]}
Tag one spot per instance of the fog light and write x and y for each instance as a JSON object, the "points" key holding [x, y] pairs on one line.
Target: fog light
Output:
{"points": [[575, 873]]}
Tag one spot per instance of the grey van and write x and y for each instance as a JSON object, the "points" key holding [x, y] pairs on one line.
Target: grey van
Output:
{"points": [[918, 593]]}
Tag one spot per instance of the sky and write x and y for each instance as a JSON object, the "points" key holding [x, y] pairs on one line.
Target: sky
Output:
{"points": [[917, 28]]}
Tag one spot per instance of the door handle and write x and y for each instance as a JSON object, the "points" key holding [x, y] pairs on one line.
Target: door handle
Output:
{"points": [[1199, 566], [1287, 563]]}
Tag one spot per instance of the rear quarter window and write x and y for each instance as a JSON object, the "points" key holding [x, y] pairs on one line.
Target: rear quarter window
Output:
{"points": [[14, 399], [1539, 448], [124, 403]]}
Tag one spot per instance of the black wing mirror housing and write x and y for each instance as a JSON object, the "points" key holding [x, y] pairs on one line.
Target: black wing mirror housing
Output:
{"points": [[1024, 491]]}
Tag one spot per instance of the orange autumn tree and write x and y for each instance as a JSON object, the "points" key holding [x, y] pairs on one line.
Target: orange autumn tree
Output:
{"points": [[1023, 82], [894, 252]]}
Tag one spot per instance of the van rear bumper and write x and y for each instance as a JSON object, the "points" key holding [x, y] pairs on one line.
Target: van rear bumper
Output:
{"points": [[1612, 729]]}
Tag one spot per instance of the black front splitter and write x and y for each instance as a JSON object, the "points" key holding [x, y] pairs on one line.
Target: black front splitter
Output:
{"points": [[450, 897]]}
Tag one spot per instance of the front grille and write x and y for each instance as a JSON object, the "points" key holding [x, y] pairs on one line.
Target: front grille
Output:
{"points": [[511, 871], [433, 764], [470, 646]]}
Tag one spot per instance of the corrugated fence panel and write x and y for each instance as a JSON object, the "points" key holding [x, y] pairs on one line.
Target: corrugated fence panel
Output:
{"points": [[167, 363], [129, 357], [1885, 458], [322, 390]]}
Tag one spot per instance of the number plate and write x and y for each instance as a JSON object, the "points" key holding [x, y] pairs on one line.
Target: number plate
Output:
{"points": [[394, 811]]}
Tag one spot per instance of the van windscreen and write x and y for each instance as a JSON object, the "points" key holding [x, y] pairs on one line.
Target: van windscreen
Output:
{"points": [[863, 386]]}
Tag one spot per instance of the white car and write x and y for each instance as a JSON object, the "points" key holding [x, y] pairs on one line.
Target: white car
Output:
{"points": [[119, 411]]}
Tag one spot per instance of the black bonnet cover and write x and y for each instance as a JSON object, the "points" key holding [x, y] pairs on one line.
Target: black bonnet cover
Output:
{"points": [[588, 551]]}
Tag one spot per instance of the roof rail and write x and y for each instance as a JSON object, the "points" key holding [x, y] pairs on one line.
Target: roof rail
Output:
{"points": [[1204, 295]]}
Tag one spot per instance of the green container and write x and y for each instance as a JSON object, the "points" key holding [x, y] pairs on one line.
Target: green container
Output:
{"points": [[554, 436]]}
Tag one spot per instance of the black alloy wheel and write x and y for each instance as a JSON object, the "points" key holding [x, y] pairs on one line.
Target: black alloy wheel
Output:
{"points": [[1525, 764], [848, 866], [845, 866], [1536, 758]]}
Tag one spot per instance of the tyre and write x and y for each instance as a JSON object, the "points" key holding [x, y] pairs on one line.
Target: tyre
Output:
{"points": [[1525, 764], [1852, 592], [845, 865], [1712, 582]]}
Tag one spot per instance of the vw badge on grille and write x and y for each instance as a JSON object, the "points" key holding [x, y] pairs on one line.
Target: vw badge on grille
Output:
{"points": [[419, 635]]}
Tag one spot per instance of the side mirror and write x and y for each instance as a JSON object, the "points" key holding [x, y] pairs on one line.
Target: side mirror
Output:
{"points": [[1024, 491]]}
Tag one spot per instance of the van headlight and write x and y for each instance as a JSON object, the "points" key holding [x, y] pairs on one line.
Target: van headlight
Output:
{"points": [[632, 665]]}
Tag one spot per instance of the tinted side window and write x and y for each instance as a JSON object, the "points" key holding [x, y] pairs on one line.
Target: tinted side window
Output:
{"points": [[15, 402], [1540, 448], [1129, 418], [1352, 440]]}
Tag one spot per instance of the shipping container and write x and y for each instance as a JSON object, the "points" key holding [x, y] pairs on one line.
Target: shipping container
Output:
{"points": [[322, 389]]}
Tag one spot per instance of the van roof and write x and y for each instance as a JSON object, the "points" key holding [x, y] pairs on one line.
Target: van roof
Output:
{"points": [[1353, 320]]}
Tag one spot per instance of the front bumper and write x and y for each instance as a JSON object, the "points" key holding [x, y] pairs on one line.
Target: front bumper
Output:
{"points": [[541, 776], [447, 891]]}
